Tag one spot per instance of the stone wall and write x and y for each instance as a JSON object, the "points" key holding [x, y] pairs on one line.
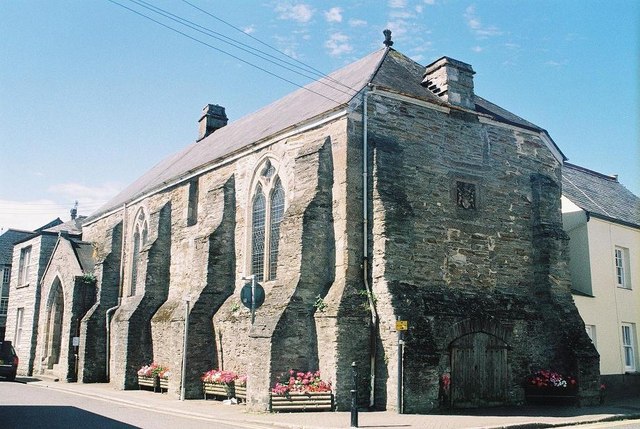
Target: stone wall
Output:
{"points": [[93, 347], [437, 264], [28, 298]]}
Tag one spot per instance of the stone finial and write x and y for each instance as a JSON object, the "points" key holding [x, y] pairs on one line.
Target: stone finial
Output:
{"points": [[74, 211], [387, 38]]}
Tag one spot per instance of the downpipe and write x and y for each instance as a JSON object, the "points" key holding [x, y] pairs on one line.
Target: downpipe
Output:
{"points": [[365, 250]]}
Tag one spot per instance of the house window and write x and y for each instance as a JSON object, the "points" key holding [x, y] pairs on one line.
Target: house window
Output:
{"points": [[18, 337], [24, 266], [140, 233], [267, 211], [591, 332], [628, 347], [6, 275], [621, 256], [192, 209], [4, 304]]}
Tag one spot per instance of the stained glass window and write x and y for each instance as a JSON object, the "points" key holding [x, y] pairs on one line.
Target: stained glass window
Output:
{"points": [[258, 230]]}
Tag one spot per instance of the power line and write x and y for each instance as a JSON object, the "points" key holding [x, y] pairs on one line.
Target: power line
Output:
{"points": [[316, 71], [247, 48], [221, 50]]}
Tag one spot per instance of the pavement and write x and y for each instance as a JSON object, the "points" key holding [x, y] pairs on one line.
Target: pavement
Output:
{"points": [[210, 410]]}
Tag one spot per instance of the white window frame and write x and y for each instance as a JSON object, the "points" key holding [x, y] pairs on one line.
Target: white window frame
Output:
{"points": [[621, 264], [6, 275], [628, 332], [24, 267], [19, 319], [591, 332]]}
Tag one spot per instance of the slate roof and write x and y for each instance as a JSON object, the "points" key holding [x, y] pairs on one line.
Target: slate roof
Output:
{"points": [[385, 68], [73, 226], [7, 240], [84, 254], [600, 195]]}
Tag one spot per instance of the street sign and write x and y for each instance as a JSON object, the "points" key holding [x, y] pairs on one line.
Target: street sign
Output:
{"points": [[402, 325], [75, 341], [245, 295]]}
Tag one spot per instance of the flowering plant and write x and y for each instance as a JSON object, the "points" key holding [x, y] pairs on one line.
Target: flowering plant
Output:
{"points": [[301, 382], [241, 381], [153, 370], [546, 378], [218, 376]]}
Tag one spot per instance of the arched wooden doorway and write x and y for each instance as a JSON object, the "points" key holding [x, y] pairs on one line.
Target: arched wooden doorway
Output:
{"points": [[55, 311], [479, 371]]}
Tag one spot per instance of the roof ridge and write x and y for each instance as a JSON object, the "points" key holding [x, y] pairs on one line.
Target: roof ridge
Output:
{"points": [[592, 172]]}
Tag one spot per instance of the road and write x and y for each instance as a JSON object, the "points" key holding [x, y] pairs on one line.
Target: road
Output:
{"points": [[26, 406], [625, 424]]}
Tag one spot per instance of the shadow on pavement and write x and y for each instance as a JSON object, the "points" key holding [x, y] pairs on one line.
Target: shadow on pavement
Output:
{"points": [[55, 417]]}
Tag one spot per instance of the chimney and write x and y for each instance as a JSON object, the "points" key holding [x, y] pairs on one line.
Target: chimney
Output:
{"points": [[451, 80], [213, 118]]}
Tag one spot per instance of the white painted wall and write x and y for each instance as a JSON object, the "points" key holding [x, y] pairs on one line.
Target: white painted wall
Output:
{"points": [[592, 251]]}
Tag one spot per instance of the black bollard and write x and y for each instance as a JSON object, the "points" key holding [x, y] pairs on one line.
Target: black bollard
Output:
{"points": [[354, 397]]}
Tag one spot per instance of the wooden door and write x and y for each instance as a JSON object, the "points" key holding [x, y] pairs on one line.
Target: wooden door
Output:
{"points": [[478, 371]]}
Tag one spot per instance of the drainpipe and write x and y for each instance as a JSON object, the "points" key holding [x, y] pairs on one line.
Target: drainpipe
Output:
{"points": [[365, 251], [113, 309]]}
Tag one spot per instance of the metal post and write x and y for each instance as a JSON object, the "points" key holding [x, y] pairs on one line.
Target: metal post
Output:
{"points": [[253, 298], [354, 397], [184, 348], [400, 375]]}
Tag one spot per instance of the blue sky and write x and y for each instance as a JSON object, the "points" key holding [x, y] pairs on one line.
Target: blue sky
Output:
{"points": [[92, 95]]}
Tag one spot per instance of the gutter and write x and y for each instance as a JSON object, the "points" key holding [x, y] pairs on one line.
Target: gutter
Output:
{"points": [[365, 246]]}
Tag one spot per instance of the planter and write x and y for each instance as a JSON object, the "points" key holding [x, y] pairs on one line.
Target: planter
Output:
{"points": [[241, 393], [551, 395], [312, 401], [157, 384], [221, 390]]}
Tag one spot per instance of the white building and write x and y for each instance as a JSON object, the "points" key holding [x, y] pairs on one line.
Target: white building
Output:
{"points": [[602, 219]]}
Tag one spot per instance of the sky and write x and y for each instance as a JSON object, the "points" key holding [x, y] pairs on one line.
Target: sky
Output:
{"points": [[93, 93]]}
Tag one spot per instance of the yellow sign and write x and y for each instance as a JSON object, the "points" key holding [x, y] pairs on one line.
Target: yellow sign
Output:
{"points": [[402, 325]]}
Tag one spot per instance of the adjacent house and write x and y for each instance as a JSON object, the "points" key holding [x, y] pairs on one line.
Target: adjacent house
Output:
{"points": [[602, 219], [385, 191], [7, 239], [31, 255]]}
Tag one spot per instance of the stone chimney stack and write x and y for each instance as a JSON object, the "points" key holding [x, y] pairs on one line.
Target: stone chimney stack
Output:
{"points": [[213, 118], [451, 80], [74, 211]]}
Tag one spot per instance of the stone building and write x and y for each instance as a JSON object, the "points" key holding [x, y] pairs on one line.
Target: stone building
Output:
{"points": [[384, 191], [7, 239], [602, 218]]}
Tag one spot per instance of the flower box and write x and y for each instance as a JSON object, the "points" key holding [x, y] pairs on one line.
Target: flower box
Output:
{"points": [[212, 389], [156, 383], [309, 401], [241, 393], [551, 395]]}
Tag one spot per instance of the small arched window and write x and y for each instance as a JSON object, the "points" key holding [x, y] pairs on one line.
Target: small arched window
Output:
{"points": [[140, 233], [267, 211]]}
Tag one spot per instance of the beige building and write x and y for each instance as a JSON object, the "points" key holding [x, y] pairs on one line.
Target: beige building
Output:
{"points": [[602, 219]]}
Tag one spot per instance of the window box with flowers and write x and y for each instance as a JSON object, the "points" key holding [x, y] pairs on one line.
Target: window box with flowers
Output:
{"points": [[302, 391], [155, 376], [550, 387], [225, 384]]}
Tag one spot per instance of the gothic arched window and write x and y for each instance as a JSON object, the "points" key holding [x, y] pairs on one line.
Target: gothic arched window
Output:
{"points": [[140, 233], [267, 211]]}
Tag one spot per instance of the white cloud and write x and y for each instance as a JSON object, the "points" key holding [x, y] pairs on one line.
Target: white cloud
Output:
{"points": [[477, 49], [398, 28], [249, 30], [357, 22], [300, 12], [333, 15], [32, 214], [430, 2], [398, 4], [338, 44], [553, 63], [475, 24]]}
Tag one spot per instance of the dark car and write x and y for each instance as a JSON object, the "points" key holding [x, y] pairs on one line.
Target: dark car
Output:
{"points": [[8, 361]]}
